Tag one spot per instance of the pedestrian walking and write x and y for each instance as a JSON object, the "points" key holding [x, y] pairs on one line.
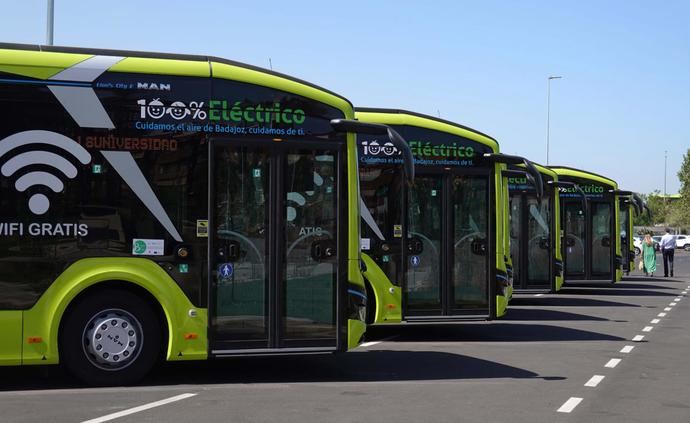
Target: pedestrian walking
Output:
{"points": [[668, 248], [648, 255]]}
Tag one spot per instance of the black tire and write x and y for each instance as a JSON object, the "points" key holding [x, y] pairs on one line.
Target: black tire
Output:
{"points": [[133, 316]]}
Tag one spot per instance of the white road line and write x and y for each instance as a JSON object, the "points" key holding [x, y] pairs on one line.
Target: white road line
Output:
{"points": [[594, 381], [676, 299], [667, 309], [613, 363], [638, 338], [538, 295], [661, 315], [647, 328], [626, 349], [684, 292], [570, 405], [655, 321], [370, 343], [672, 304], [139, 409]]}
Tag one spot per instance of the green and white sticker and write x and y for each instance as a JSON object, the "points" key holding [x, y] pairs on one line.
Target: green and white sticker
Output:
{"points": [[148, 247]]}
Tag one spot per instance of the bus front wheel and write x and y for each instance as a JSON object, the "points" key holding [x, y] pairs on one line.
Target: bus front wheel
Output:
{"points": [[111, 337]]}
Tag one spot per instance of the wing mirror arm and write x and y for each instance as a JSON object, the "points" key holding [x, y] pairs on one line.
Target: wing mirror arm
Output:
{"points": [[351, 125], [532, 171], [564, 184]]}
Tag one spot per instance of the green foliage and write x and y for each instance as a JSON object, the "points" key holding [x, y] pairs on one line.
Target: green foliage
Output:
{"points": [[672, 212], [682, 206]]}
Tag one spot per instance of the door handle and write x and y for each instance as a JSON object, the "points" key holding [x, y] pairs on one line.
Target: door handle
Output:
{"points": [[323, 249], [415, 246], [478, 246], [229, 250]]}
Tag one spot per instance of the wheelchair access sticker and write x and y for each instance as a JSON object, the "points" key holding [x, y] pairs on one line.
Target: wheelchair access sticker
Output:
{"points": [[414, 261], [225, 270]]}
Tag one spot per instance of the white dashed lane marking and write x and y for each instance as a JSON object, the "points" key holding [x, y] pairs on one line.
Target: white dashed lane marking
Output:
{"points": [[661, 315], [655, 321], [667, 309], [626, 349], [647, 328], [594, 381], [613, 363], [370, 343], [139, 409], [638, 338], [570, 405]]}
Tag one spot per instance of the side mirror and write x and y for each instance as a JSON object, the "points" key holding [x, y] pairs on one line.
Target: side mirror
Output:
{"points": [[529, 166], [563, 184], [355, 126]]}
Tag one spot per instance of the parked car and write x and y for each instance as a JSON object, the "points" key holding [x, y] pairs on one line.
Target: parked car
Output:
{"points": [[637, 244], [683, 241]]}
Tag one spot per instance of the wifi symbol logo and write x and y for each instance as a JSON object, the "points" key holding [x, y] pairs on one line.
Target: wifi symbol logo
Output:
{"points": [[60, 166]]}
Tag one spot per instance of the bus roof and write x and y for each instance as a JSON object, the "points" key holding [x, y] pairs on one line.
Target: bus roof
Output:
{"points": [[579, 173], [31, 60], [543, 170], [405, 117]]}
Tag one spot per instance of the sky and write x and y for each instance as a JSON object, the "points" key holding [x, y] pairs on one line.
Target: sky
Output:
{"points": [[622, 102]]}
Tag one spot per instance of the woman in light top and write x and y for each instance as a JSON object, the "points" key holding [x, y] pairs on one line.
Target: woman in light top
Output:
{"points": [[648, 255]]}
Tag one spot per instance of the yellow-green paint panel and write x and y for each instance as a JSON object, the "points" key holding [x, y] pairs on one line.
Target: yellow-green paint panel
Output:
{"points": [[43, 319], [355, 331], [157, 66], [238, 73], [421, 122], [11, 344], [560, 171], [37, 64], [387, 296]]}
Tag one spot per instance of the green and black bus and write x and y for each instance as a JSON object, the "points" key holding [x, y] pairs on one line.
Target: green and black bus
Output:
{"points": [[535, 231], [436, 250], [592, 242], [173, 206]]}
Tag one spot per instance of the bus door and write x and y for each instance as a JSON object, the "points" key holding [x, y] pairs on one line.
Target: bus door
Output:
{"points": [[517, 237], [531, 242], [273, 249], [423, 291], [382, 190], [624, 215], [575, 240], [602, 244], [449, 214]]}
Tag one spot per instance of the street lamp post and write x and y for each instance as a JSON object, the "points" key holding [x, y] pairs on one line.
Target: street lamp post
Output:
{"points": [[49, 22], [548, 113]]}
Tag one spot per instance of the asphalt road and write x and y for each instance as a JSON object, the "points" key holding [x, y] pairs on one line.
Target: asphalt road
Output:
{"points": [[572, 351]]}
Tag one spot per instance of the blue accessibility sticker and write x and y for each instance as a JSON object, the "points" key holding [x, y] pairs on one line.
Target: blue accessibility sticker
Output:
{"points": [[414, 261], [225, 270]]}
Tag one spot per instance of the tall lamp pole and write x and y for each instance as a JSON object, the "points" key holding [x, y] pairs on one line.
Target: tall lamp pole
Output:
{"points": [[49, 23], [548, 113]]}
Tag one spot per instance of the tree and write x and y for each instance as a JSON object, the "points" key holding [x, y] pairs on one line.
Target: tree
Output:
{"points": [[658, 208], [682, 209]]}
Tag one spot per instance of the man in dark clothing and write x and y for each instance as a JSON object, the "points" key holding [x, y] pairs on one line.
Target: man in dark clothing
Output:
{"points": [[668, 248]]}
